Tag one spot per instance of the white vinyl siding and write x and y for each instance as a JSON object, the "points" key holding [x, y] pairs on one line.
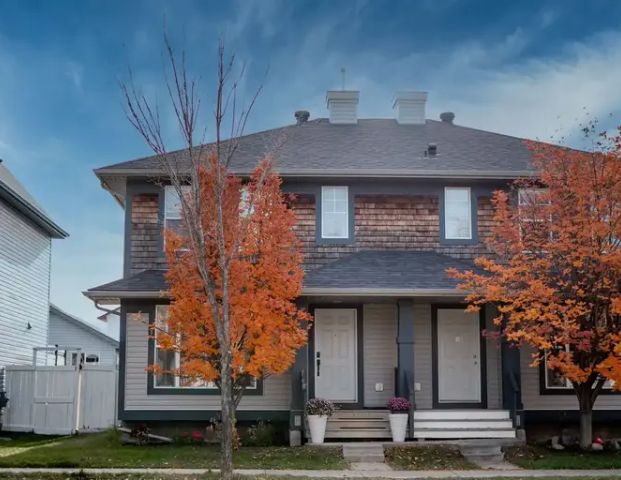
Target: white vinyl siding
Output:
{"points": [[380, 352], [68, 334], [334, 212], [457, 213], [25, 254], [276, 389]]}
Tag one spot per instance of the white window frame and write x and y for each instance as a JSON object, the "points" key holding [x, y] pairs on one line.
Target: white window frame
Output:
{"points": [[446, 235], [324, 211], [176, 378]]}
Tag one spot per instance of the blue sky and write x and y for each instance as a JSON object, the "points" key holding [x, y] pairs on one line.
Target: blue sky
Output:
{"points": [[528, 68]]}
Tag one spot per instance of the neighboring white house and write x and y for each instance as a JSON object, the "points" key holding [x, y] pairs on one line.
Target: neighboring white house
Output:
{"points": [[70, 333], [111, 323], [26, 234]]}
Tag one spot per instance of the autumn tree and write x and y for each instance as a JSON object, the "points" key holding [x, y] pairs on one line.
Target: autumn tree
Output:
{"points": [[235, 262], [555, 275]]}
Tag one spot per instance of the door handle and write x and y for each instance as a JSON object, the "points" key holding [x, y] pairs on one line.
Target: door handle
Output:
{"points": [[318, 362]]}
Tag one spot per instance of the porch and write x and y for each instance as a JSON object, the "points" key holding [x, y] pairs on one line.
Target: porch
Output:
{"points": [[360, 354]]}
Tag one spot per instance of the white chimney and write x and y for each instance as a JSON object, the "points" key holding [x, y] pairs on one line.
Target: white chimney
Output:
{"points": [[409, 107], [343, 106]]}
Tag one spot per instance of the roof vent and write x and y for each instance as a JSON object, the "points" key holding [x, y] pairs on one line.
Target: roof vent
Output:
{"points": [[447, 117], [302, 116], [432, 149], [343, 106], [410, 107]]}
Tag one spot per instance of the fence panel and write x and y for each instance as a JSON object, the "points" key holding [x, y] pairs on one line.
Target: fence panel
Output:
{"points": [[97, 398], [19, 382], [59, 400]]}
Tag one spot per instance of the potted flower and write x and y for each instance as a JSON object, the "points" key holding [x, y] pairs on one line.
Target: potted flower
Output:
{"points": [[317, 411], [399, 408]]}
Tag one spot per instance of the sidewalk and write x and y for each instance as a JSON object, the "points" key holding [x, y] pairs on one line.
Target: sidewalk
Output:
{"points": [[380, 474]]}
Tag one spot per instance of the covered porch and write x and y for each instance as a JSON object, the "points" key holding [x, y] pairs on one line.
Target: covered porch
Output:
{"points": [[392, 324]]}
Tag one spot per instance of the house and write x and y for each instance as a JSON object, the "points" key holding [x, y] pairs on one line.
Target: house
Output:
{"points": [[70, 333], [111, 321], [384, 207], [26, 233]]}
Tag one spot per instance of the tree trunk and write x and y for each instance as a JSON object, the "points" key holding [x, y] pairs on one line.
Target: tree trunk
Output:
{"points": [[585, 401], [228, 419]]}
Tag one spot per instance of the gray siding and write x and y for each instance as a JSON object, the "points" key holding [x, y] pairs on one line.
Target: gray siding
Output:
{"points": [[25, 254], [276, 389], [493, 364], [380, 352], [533, 400], [65, 333], [423, 362]]}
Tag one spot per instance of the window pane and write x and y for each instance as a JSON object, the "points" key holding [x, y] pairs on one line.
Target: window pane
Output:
{"points": [[335, 212], [92, 358], [335, 225], [172, 202], [555, 379], [457, 214], [166, 361]]}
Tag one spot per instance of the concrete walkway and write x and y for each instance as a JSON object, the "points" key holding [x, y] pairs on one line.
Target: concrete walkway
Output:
{"points": [[379, 474]]}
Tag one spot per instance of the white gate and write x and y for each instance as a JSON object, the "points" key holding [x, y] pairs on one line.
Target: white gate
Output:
{"points": [[60, 400]]}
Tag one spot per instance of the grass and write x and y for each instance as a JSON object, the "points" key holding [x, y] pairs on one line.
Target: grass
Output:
{"points": [[426, 458], [104, 450], [540, 457]]}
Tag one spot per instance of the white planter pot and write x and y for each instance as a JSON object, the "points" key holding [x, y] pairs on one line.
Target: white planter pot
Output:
{"points": [[398, 426], [317, 425]]}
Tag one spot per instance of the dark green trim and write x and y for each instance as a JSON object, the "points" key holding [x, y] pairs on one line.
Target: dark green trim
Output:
{"points": [[434, 355], [360, 354], [405, 347], [153, 390], [200, 415]]}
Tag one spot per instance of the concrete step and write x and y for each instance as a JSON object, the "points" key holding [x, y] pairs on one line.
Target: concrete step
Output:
{"points": [[466, 424], [474, 414], [362, 433], [463, 433]]}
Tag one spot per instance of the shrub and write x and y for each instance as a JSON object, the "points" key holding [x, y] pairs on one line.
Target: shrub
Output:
{"points": [[398, 405], [319, 406], [261, 434]]}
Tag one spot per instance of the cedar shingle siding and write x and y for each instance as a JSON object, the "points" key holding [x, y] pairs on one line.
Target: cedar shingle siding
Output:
{"points": [[145, 246], [390, 222]]}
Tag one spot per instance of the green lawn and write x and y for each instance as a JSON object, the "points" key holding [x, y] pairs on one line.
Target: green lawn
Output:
{"points": [[426, 458], [105, 450], [539, 457]]}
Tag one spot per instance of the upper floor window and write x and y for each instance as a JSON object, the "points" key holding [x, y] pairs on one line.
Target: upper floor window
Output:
{"points": [[172, 207], [457, 213], [334, 212]]}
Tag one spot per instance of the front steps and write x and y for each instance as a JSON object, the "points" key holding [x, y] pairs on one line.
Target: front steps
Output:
{"points": [[456, 424], [428, 425]]}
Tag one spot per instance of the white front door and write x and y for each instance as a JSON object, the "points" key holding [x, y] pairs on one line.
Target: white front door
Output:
{"points": [[336, 376], [459, 351]]}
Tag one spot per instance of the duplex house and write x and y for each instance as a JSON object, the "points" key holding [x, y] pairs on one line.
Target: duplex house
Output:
{"points": [[26, 233], [384, 207]]}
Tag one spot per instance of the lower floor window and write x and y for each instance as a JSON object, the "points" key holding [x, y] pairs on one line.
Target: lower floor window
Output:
{"points": [[91, 358], [172, 360], [554, 380]]}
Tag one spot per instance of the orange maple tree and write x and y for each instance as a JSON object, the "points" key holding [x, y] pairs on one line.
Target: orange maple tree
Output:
{"points": [[262, 256], [555, 272], [235, 265]]}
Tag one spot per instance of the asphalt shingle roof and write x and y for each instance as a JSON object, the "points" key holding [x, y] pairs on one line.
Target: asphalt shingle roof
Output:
{"points": [[387, 269], [145, 281], [371, 145]]}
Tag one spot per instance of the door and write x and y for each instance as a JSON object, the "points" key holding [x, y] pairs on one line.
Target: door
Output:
{"points": [[336, 376], [459, 352]]}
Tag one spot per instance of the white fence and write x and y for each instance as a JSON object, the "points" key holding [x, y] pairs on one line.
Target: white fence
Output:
{"points": [[60, 400]]}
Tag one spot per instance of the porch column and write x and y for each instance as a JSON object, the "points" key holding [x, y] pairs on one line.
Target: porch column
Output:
{"points": [[299, 391], [511, 380], [405, 349]]}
